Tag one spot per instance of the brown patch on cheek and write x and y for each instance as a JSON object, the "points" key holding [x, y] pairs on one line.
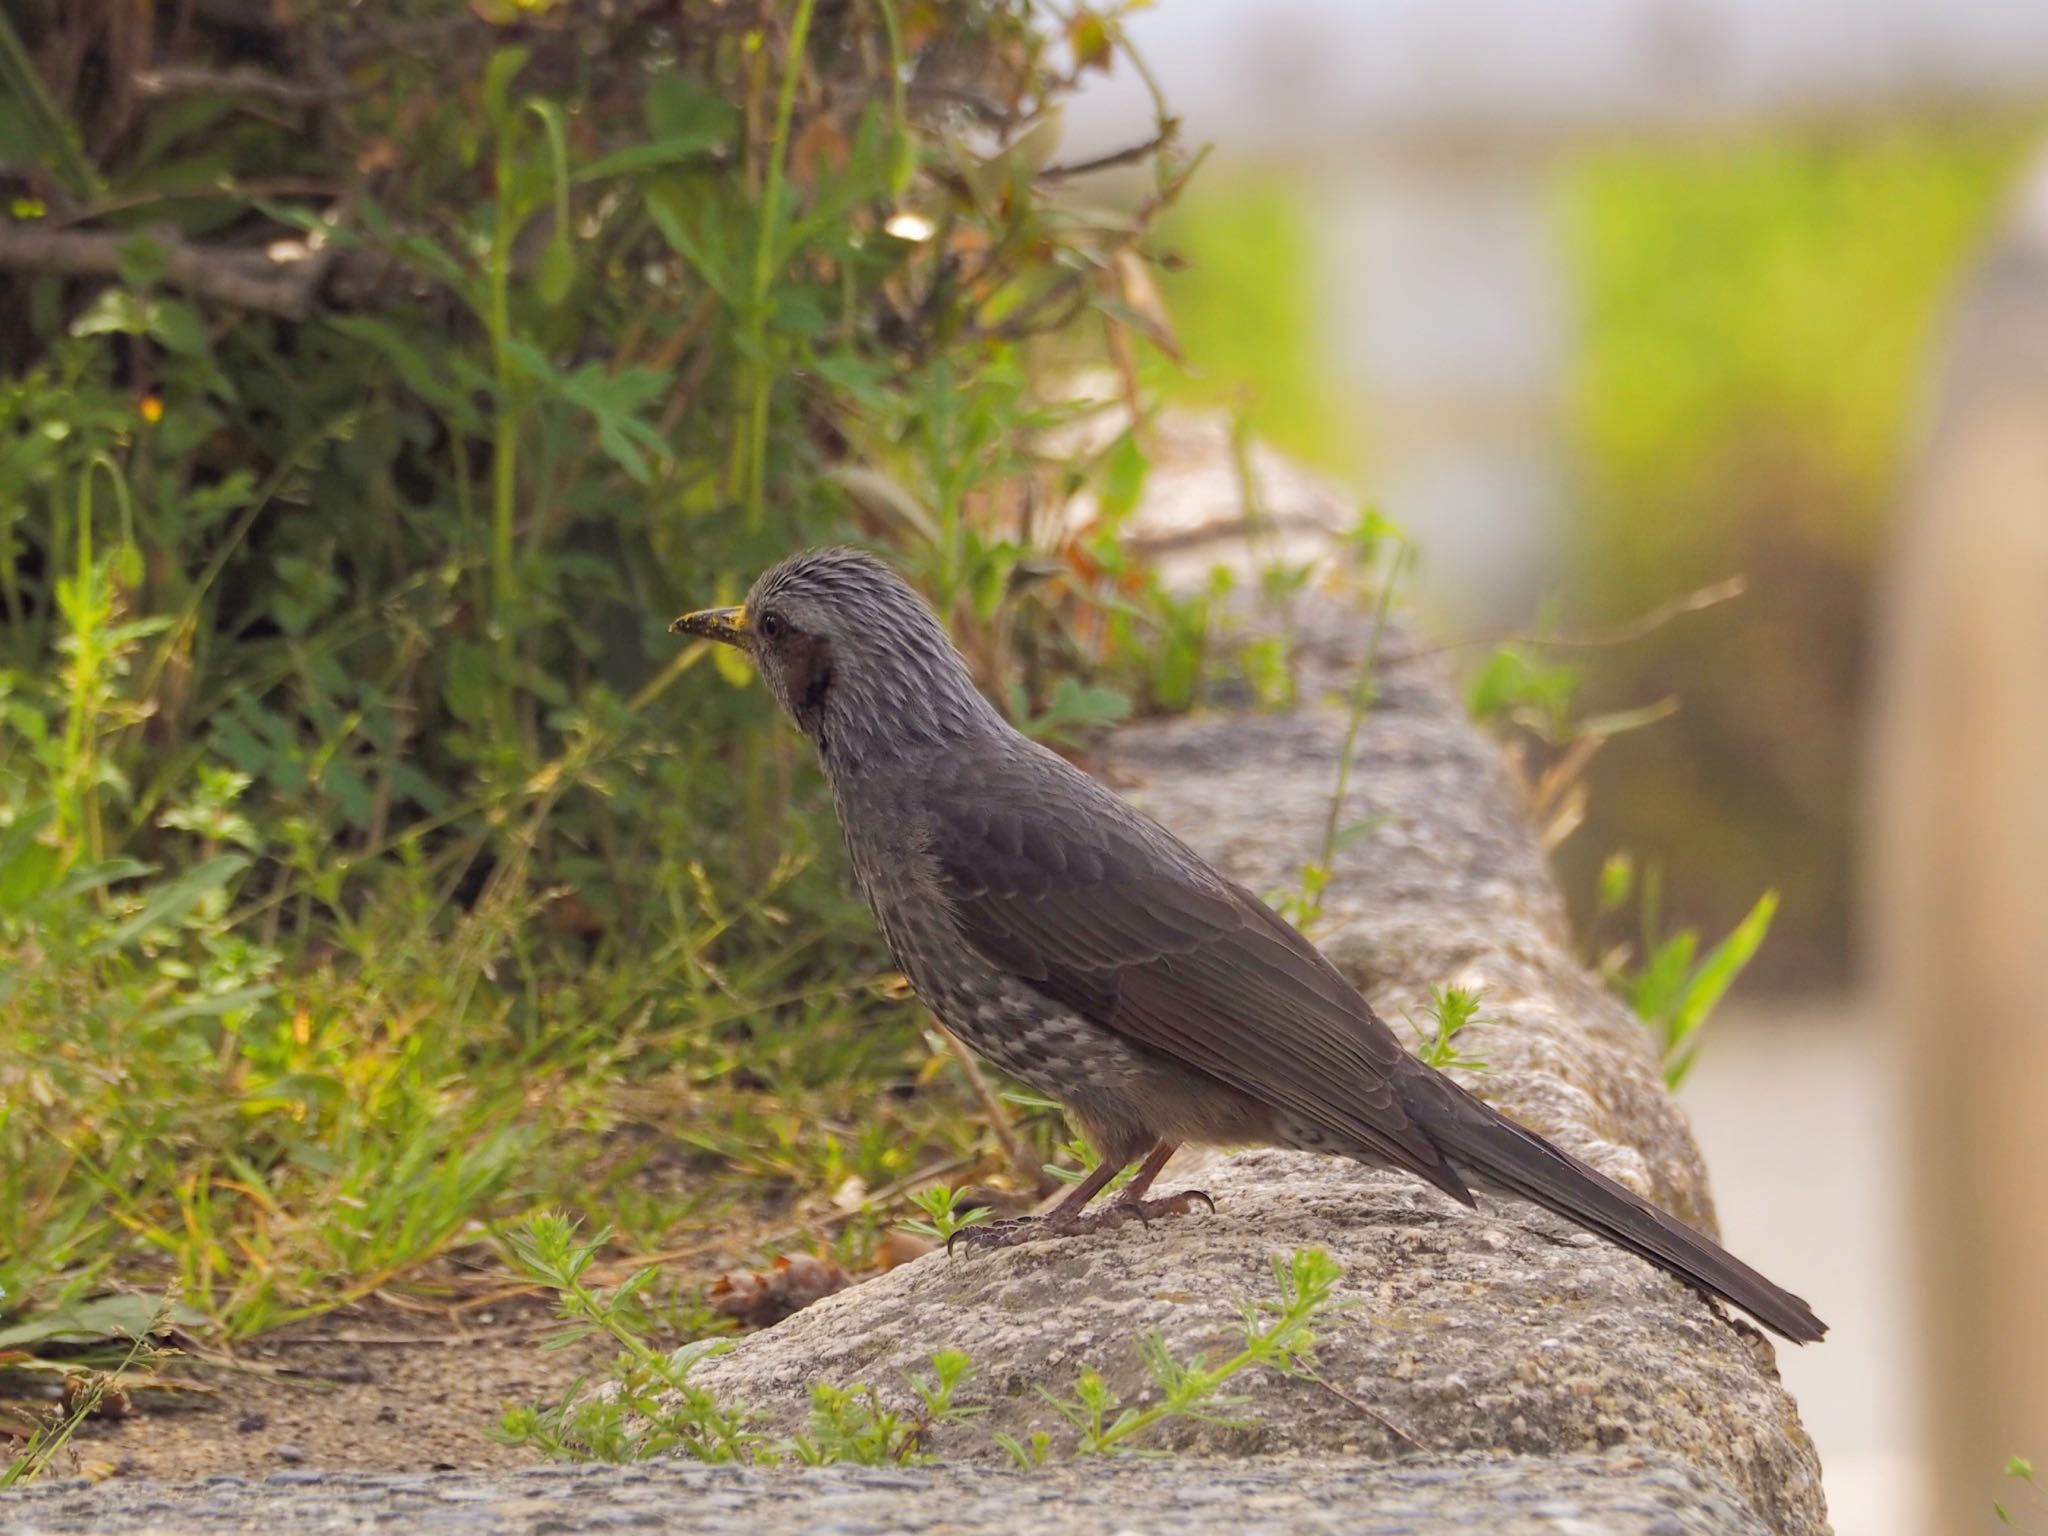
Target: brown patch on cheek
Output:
{"points": [[807, 668]]}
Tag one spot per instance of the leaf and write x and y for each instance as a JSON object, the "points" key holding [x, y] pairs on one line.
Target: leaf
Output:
{"points": [[499, 74], [174, 323], [557, 274], [1725, 962], [1358, 831], [667, 207], [103, 1317], [470, 684], [681, 110], [213, 1007], [1514, 684], [758, 1298], [93, 877], [1617, 879], [421, 374], [1124, 471], [174, 900], [1075, 707], [142, 259], [27, 866], [1619, 722], [885, 498], [649, 157]]}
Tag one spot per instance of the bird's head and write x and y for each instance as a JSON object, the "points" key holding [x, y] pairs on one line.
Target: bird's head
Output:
{"points": [[857, 658]]}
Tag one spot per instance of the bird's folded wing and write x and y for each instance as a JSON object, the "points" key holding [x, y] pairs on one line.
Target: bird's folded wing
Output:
{"points": [[1057, 882]]}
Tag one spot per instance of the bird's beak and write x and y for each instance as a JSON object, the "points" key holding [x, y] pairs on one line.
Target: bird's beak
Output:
{"points": [[726, 624]]}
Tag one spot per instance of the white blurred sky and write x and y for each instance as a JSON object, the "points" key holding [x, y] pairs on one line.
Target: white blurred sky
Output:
{"points": [[1294, 75], [1429, 127]]}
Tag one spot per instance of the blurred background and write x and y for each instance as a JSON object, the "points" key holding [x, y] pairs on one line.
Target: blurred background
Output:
{"points": [[1608, 303], [376, 380]]}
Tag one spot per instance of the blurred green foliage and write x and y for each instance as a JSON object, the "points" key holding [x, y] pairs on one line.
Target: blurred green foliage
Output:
{"points": [[362, 831], [1243, 284], [1760, 319]]}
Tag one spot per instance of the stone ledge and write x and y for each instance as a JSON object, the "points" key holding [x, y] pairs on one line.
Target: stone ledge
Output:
{"points": [[1608, 1494], [1506, 1334]]}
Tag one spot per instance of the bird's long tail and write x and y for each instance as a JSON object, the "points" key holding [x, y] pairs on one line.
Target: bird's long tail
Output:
{"points": [[1510, 1157]]}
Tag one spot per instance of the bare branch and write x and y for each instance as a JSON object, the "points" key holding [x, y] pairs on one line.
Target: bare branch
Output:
{"points": [[1129, 155], [244, 278], [177, 81]]}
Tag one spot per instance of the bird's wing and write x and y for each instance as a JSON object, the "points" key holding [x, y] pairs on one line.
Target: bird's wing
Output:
{"points": [[1057, 882]]}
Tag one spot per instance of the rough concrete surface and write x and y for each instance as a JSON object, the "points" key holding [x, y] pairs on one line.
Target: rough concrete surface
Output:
{"points": [[1572, 1496]]}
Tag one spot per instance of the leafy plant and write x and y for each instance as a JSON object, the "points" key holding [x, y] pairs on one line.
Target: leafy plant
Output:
{"points": [[1672, 987], [2020, 1469], [85, 1391], [362, 834], [649, 1407], [942, 1213], [1278, 1335], [1450, 1010], [1381, 542]]}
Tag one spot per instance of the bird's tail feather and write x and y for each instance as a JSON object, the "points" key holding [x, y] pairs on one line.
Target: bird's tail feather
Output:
{"points": [[1513, 1158]]}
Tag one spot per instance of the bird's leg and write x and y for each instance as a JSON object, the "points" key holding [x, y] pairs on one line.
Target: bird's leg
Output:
{"points": [[1132, 1196], [1062, 1218], [1071, 1217], [1075, 1201]]}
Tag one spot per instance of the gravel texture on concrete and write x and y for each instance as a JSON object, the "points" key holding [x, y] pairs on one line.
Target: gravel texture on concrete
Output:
{"points": [[1617, 1494]]}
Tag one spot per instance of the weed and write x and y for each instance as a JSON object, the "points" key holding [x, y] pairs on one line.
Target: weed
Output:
{"points": [[1672, 987], [942, 1213], [1450, 1010], [1278, 1336], [649, 1407], [85, 1393], [1382, 544], [2020, 1469]]}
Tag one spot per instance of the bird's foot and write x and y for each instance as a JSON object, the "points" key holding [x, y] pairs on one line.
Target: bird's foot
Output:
{"points": [[1180, 1204], [1104, 1218]]}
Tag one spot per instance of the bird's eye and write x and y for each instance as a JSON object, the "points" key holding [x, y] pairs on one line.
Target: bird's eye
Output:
{"points": [[774, 625]]}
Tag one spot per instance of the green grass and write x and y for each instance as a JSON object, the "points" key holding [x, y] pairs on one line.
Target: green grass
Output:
{"points": [[374, 868], [184, 1105]]}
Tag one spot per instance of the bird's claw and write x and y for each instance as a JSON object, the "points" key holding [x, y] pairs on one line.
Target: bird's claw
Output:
{"points": [[1181, 1204], [1106, 1218]]}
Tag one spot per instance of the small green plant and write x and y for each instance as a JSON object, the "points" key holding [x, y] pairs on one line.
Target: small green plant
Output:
{"points": [[649, 1407], [1279, 1335], [942, 1214], [1075, 712], [1450, 1010], [1384, 547], [84, 1393], [1077, 1160], [1672, 987], [850, 1424], [2021, 1470]]}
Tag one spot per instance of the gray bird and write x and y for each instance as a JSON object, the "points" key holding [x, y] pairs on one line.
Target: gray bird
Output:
{"points": [[1086, 950]]}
